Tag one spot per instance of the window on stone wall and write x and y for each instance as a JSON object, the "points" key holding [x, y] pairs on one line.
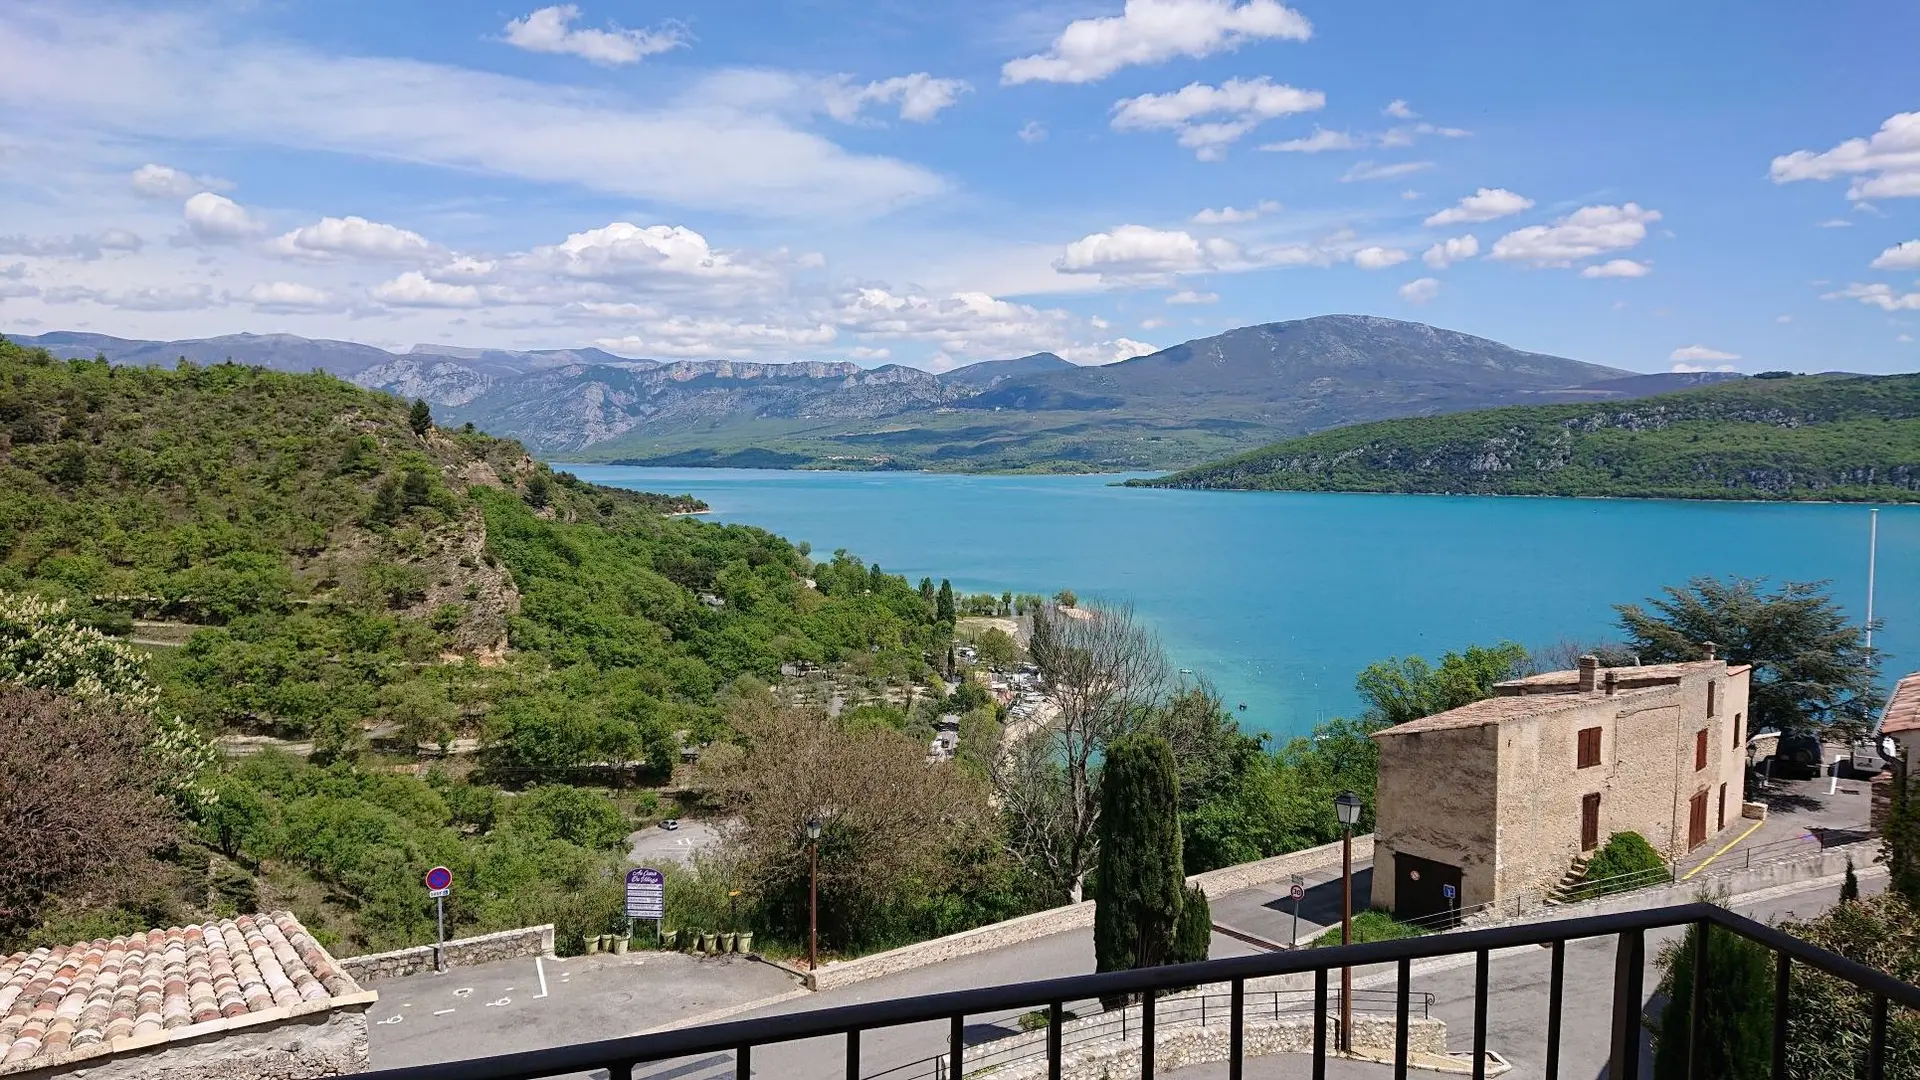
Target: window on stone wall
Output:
{"points": [[1737, 733], [1589, 747], [1700, 750], [1713, 698]]}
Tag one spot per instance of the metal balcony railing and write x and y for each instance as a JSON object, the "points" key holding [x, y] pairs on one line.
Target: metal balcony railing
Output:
{"points": [[742, 1038]]}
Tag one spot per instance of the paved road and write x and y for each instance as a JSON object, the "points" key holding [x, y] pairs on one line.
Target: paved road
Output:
{"points": [[654, 844], [528, 1005]]}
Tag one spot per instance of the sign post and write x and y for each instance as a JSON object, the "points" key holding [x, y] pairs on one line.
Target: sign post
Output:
{"points": [[647, 897], [1298, 892], [1453, 900], [439, 884]]}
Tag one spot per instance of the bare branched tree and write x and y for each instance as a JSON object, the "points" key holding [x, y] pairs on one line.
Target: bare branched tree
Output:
{"points": [[1107, 676], [79, 805]]}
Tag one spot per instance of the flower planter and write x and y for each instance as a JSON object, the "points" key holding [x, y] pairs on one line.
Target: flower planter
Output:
{"points": [[620, 946], [706, 943], [745, 942], [726, 942], [594, 943]]}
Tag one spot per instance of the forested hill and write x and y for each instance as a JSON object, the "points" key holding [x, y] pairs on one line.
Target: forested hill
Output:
{"points": [[1825, 437]]}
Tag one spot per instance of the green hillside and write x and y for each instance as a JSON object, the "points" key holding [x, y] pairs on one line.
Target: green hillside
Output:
{"points": [[1776, 438], [311, 563]]}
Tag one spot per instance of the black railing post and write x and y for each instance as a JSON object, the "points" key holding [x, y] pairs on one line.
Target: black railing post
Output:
{"points": [[1480, 1015], [743, 1062], [1320, 1024], [1782, 982], [1630, 958], [853, 1054], [1877, 1042], [1556, 984], [1401, 1021], [956, 1046], [1146, 1037], [1056, 1020], [1697, 1004], [1236, 1020], [621, 1071]]}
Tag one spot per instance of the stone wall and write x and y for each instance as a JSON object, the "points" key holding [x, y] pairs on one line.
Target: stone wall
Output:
{"points": [[1195, 1044], [1436, 801], [1069, 917], [461, 952], [298, 1042]]}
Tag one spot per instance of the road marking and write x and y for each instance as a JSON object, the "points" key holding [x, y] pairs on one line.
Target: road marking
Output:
{"points": [[502, 1001], [1709, 859], [394, 1019], [441, 1012], [463, 991], [537, 966]]}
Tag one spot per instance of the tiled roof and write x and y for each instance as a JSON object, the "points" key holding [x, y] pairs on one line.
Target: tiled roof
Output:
{"points": [[1903, 708], [1499, 710], [99, 997], [1639, 673]]}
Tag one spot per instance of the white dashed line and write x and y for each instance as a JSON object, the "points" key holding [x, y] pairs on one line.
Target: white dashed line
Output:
{"points": [[541, 969], [441, 1012]]}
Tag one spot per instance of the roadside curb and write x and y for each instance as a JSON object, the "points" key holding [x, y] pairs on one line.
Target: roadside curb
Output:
{"points": [[717, 1015]]}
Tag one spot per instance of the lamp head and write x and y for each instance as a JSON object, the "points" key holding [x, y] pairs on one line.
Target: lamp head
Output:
{"points": [[813, 828], [1347, 805]]}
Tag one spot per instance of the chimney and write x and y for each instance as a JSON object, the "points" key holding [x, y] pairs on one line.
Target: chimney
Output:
{"points": [[1589, 672], [1710, 647], [1612, 680]]}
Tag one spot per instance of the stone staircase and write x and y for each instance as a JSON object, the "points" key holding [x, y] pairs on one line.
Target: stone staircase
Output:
{"points": [[1568, 888]]}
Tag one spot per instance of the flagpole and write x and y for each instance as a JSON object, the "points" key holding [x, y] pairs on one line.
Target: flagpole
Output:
{"points": [[1873, 545]]}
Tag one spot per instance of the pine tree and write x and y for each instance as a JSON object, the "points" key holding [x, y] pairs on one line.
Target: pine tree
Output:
{"points": [[420, 417], [926, 590], [943, 608], [1850, 888], [1139, 879]]}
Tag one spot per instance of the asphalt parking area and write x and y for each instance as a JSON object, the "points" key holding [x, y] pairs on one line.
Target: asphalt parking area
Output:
{"points": [[534, 1003]]}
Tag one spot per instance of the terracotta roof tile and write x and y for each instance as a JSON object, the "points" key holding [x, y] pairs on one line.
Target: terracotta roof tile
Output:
{"points": [[66, 999], [1903, 708]]}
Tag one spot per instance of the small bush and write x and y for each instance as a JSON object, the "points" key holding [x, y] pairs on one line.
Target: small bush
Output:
{"points": [[1371, 926], [1626, 861], [1038, 1019]]}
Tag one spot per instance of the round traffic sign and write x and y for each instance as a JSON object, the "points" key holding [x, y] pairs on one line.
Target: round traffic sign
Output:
{"points": [[439, 878], [1298, 892]]}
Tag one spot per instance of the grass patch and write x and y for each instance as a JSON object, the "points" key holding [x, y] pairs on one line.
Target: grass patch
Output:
{"points": [[1371, 926]]}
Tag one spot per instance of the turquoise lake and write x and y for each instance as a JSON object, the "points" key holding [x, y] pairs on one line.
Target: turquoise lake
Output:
{"points": [[1281, 598]]}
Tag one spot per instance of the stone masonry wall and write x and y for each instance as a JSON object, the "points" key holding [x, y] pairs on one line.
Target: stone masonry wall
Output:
{"points": [[1436, 801], [461, 952], [330, 1041], [1194, 1044], [1069, 917]]}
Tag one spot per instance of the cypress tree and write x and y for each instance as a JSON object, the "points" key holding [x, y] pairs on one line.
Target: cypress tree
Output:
{"points": [[1850, 888], [926, 590], [1193, 934], [943, 608], [1737, 1029], [1139, 879], [1900, 840]]}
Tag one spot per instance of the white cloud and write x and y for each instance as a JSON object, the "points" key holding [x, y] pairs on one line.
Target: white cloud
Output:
{"points": [[154, 298], [287, 297], [1450, 251], [414, 289], [1397, 108], [623, 251], [1836, 223], [1902, 256], [1153, 31], [550, 30], [1588, 231], [1136, 250], [354, 237], [973, 324], [1420, 290], [1378, 258], [920, 96], [1878, 295], [465, 268], [1153, 323], [1367, 170], [1485, 204], [13, 271], [707, 337], [1885, 165], [1625, 268], [1188, 296], [179, 74], [83, 246], [1320, 141], [1694, 354], [218, 219], [1032, 131], [1106, 352], [1903, 338], [1240, 103], [1409, 195], [1228, 215], [166, 182]]}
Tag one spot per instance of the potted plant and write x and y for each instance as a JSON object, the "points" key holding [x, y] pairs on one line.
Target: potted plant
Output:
{"points": [[593, 943], [726, 942], [620, 945], [746, 941], [706, 943]]}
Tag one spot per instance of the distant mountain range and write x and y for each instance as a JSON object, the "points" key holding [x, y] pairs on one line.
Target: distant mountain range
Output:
{"points": [[1202, 399]]}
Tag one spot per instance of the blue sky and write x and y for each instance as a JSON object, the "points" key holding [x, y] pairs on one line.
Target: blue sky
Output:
{"points": [[1644, 185]]}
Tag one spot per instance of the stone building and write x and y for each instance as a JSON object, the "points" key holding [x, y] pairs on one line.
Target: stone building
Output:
{"points": [[1900, 721], [249, 998], [1498, 797]]}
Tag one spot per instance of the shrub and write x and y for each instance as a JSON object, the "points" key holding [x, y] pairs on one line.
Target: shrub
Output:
{"points": [[1193, 933], [1626, 861], [1371, 926], [558, 812]]}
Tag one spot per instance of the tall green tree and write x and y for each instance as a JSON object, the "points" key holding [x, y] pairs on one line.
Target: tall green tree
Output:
{"points": [[1193, 932], [1399, 690], [1811, 666], [943, 609], [1900, 839], [420, 417], [1736, 1029], [1139, 878]]}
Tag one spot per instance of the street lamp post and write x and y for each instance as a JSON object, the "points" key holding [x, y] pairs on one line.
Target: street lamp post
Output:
{"points": [[1347, 805], [813, 893]]}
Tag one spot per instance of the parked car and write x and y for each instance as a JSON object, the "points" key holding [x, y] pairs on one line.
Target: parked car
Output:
{"points": [[1799, 756], [1866, 758], [670, 824]]}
